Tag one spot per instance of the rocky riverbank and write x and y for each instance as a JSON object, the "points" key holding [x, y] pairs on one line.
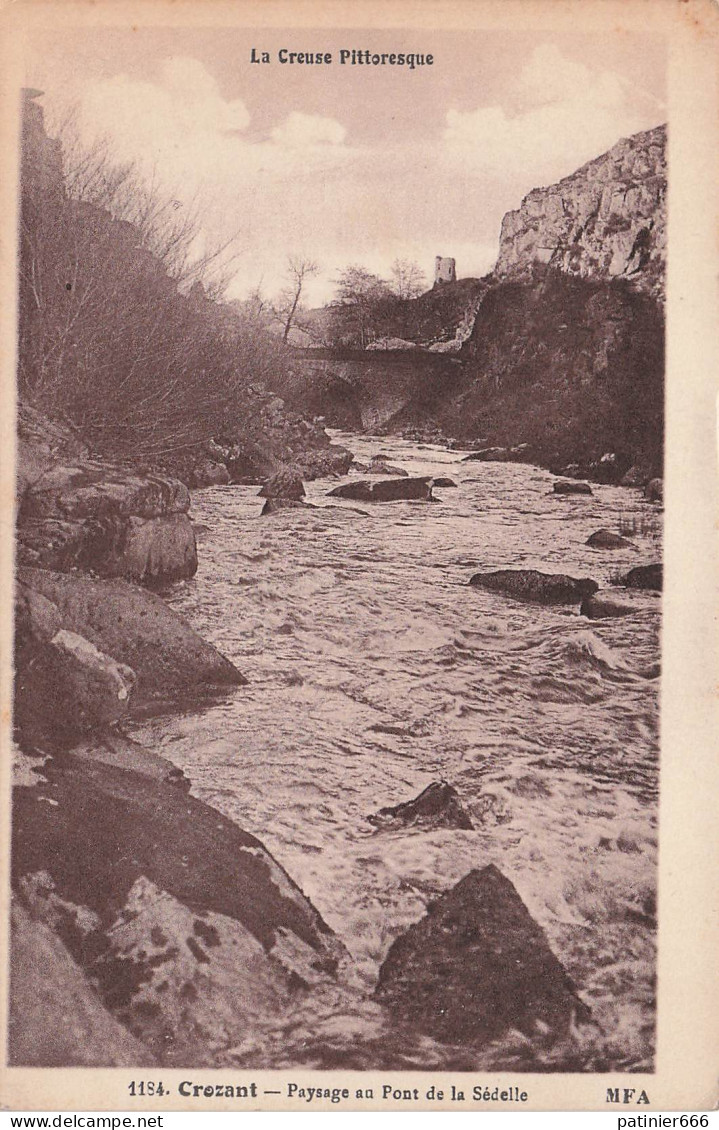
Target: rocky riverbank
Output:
{"points": [[163, 929], [167, 933]]}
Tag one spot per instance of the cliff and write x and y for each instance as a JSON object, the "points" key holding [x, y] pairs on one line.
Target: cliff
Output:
{"points": [[560, 349], [605, 221]]}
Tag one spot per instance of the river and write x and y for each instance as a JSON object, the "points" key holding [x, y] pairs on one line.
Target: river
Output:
{"points": [[373, 670]]}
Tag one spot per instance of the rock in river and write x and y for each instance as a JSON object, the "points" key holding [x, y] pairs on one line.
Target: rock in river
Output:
{"points": [[379, 466], [438, 806], [565, 486], [285, 484], [476, 965], [530, 584], [386, 490], [606, 539], [644, 577], [599, 607]]}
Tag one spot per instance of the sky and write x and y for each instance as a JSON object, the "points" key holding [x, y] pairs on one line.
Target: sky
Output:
{"points": [[350, 165]]}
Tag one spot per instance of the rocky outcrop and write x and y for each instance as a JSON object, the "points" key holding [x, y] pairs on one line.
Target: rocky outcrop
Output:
{"points": [[191, 933], [477, 965], [563, 346], [133, 627], [75, 512], [437, 806], [532, 585], [387, 490], [605, 221], [57, 1018]]}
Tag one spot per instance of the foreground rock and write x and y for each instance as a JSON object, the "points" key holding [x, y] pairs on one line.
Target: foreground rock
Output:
{"points": [[566, 486], [530, 584], [644, 577], [57, 1018], [606, 539], [132, 626], [443, 481], [477, 965], [192, 932], [438, 806], [387, 490]]}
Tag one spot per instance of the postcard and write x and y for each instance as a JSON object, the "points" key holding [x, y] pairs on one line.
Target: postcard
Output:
{"points": [[359, 556]]}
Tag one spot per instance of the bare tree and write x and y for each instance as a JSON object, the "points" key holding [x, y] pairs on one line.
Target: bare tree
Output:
{"points": [[118, 328], [299, 269]]}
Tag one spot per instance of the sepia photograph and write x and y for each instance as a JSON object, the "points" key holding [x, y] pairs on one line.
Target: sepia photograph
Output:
{"points": [[337, 648]]}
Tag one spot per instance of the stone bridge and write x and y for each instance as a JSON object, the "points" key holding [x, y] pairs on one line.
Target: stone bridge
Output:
{"points": [[372, 390]]}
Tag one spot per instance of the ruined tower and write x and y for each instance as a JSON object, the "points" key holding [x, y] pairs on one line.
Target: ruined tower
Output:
{"points": [[444, 270]]}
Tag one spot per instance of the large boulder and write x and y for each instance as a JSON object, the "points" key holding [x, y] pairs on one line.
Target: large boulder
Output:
{"points": [[135, 628], [437, 806], [568, 486], [327, 462], [530, 584], [386, 490], [91, 515], [155, 551], [193, 933], [607, 539], [286, 485], [644, 577], [477, 965], [64, 686], [99, 490]]}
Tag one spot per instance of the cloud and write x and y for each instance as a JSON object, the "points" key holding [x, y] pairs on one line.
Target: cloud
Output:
{"points": [[192, 138], [302, 130], [571, 114], [304, 188]]}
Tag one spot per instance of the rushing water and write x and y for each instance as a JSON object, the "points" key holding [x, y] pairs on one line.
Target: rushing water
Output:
{"points": [[374, 669]]}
